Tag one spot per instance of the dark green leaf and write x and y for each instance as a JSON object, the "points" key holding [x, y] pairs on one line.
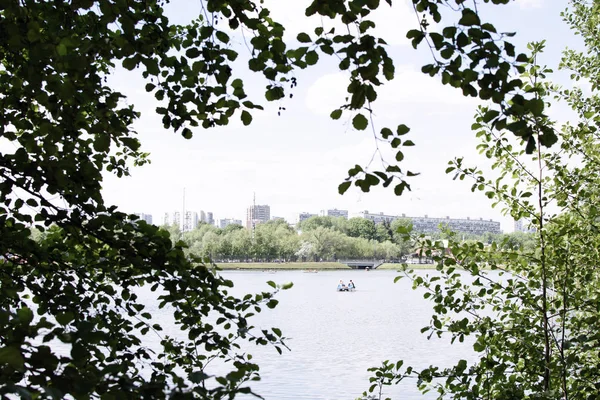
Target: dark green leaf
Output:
{"points": [[12, 356], [360, 122], [336, 114], [303, 38], [343, 187], [246, 118]]}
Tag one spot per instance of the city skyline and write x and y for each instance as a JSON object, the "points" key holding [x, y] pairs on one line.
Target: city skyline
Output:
{"points": [[256, 214]]}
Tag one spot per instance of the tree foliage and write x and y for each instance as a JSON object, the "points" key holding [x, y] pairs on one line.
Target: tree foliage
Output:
{"points": [[319, 239], [68, 126], [531, 315]]}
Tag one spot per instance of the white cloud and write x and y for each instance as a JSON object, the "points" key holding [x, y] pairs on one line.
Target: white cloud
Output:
{"points": [[409, 87]]}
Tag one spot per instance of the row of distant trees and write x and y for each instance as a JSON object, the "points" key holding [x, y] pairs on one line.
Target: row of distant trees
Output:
{"points": [[317, 239]]}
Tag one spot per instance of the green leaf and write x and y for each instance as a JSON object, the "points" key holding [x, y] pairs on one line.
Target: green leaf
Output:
{"points": [[343, 187], [536, 106], [246, 118], [237, 83], [129, 64], [469, 18], [198, 377], [336, 114], [25, 315], [303, 38], [131, 143], [222, 36], [312, 57], [102, 143], [272, 284], [272, 303], [192, 52], [360, 122], [61, 49], [187, 133], [64, 318], [402, 130], [386, 133], [13, 357]]}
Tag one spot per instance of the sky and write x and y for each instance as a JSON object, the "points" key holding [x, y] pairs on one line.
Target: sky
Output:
{"points": [[294, 162]]}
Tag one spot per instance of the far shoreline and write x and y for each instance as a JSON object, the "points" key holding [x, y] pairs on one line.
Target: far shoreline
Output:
{"points": [[312, 266]]}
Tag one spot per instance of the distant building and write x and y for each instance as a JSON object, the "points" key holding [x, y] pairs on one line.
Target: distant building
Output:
{"points": [[335, 213], [223, 223], [145, 217], [257, 214], [202, 216], [468, 225], [277, 219], [209, 218], [377, 218], [429, 225], [190, 222], [524, 226], [173, 218], [304, 216]]}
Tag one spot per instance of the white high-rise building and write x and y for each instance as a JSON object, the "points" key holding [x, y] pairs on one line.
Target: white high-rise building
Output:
{"points": [[257, 215], [190, 222], [173, 218]]}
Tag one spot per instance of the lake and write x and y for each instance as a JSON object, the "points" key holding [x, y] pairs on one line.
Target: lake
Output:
{"points": [[336, 336]]}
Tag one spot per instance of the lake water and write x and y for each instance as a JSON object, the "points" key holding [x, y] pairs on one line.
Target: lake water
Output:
{"points": [[336, 336]]}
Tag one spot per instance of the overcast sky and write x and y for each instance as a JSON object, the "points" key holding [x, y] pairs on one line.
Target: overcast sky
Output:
{"points": [[294, 162]]}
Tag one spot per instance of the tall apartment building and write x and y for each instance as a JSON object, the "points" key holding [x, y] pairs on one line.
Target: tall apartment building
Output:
{"points": [[190, 221], [202, 216], [173, 218], [145, 217], [257, 214], [304, 216], [223, 223], [209, 218]]}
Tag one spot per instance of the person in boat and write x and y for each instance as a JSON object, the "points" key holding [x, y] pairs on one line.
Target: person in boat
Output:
{"points": [[351, 285]]}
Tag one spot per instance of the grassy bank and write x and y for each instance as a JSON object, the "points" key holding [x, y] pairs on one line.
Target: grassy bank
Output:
{"points": [[396, 266], [290, 265]]}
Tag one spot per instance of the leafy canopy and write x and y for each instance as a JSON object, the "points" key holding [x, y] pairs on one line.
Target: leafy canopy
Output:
{"points": [[67, 127]]}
